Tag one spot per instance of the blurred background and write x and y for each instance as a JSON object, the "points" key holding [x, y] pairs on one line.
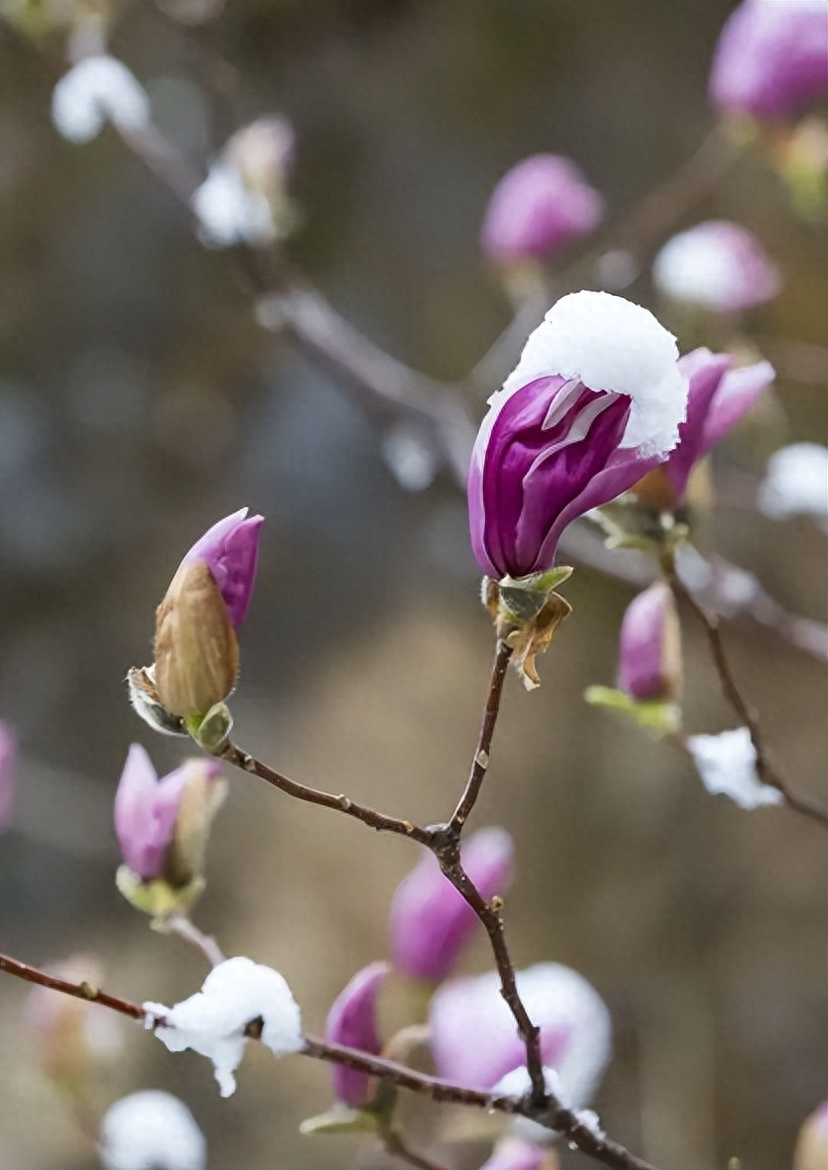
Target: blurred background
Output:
{"points": [[140, 401]]}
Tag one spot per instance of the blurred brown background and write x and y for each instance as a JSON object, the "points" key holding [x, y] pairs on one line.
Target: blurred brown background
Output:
{"points": [[139, 402]]}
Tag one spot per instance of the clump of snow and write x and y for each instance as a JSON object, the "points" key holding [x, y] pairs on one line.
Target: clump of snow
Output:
{"points": [[98, 90], [151, 1130], [796, 482], [213, 1021], [590, 1120], [518, 1083], [609, 343], [726, 764], [228, 212]]}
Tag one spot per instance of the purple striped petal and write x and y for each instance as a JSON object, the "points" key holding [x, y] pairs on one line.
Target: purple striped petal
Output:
{"points": [[352, 1021]]}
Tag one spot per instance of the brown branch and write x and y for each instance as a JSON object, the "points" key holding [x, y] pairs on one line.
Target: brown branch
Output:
{"points": [[550, 1114], [764, 767], [480, 761]]}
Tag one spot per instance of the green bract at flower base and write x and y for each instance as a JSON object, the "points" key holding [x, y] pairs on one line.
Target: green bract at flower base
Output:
{"points": [[527, 612], [655, 716], [157, 897]]}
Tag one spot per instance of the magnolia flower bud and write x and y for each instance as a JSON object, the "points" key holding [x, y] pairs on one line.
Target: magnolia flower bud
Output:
{"points": [[594, 403], [650, 666], [352, 1021], [718, 265], [513, 1153], [538, 207], [430, 920], [772, 58], [812, 1145], [263, 153], [8, 762]]}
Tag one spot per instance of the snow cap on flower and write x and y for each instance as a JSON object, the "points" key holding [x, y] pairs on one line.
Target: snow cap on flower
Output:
{"points": [[352, 1021], [98, 90], [771, 58], [8, 764], [513, 1153], [796, 482], [213, 1021], [151, 1130], [726, 764], [430, 920], [538, 207], [475, 1043], [812, 1145], [594, 402], [649, 664], [718, 265]]}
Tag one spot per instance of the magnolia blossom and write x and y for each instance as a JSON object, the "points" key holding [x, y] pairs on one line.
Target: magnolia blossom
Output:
{"points": [[772, 58], [213, 1021], [475, 1042], [151, 1130], [649, 665], [8, 764], [812, 1145], [719, 265], [430, 920], [352, 1021], [98, 90], [594, 403], [726, 764], [796, 483], [538, 207]]}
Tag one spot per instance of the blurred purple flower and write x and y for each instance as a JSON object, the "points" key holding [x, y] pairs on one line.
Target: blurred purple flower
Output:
{"points": [[475, 1043], [8, 764], [430, 921], [538, 207], [230, 549], [812, 1145], [649, 665], [772, 58], [594, 402], [716, 264], [513, 1153], [352, 1021]]}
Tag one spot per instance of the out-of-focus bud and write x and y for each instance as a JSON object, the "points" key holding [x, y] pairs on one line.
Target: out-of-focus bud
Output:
{"points": [[796, 483], [537, 208], [771, 59], [718, 265], [430, 921], [74, 1041], [352, 1021], [151, 1129], [513, 1153], [812, 1145], [474, 1041], [8, 764], [98, 90], [263, 153], [162, 828], [196, 651], [650, 664]]}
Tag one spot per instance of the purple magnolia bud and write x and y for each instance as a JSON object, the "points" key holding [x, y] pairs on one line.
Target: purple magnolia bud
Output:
{"points": [[230, 550], [649, 665], [8, 762], [719, 396], [812, 1145], [717, 264], [162, 825], [430, 921], [352, 1021], [537, 208], [513, 1153], [772, 58], [594, 402], [263, 153], [475, 1043]]}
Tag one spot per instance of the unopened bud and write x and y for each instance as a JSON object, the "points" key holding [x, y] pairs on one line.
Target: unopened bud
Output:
{"points": [[650, 665], [352, 1021]]}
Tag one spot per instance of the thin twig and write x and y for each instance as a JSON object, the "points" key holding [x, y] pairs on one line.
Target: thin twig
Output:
{"points": [[480, 762], [182, 926], [396, 1146], [550, 1114], [764, 768]]}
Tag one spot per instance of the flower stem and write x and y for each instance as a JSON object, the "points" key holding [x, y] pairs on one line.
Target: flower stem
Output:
{"points": [[182, 926]]}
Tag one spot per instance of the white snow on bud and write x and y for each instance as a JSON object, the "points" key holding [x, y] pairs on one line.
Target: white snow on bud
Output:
{"points": [[609, 343], [227, 212], [151, 1130], [213, 1021], [95, 91], [796, 482], [726, 764]]}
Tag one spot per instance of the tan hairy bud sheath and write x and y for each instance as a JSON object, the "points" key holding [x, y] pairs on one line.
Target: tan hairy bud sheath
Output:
{"points": [[196, 651]]}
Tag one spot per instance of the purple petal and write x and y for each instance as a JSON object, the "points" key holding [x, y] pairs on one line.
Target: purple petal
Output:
{"points": [[8, 763], [719, 265], [512, 1153], [352, 1021], [430, 921], [704, 371], [644, 669], [230, 549], [145, 813], [739, 391]]}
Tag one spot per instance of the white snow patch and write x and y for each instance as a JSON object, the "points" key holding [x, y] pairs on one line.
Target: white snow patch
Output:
{"points": [[213, 1020], [609, 343], [726, 764], [151, 1130], [95, 91], [228, 213], [590, 1120], [796, 482], [517, 1084]]}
